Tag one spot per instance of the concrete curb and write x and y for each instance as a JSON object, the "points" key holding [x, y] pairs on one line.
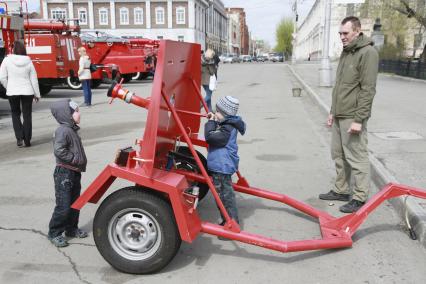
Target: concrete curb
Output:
{"points": [[381, 176]]}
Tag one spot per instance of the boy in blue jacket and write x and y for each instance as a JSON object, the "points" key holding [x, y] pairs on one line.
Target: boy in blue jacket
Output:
{"points": [[222, 160]]}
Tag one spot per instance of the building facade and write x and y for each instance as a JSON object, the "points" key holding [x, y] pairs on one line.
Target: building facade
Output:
{"points": [[310, 33], [309, 38], [244, 38], [234, 37], [181, 20]]}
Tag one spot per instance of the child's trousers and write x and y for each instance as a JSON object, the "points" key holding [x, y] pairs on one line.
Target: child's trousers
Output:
{"points": [[223, 184], [67, 190]]}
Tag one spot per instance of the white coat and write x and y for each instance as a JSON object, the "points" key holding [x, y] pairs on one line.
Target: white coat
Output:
{"points": [[18, 76], [84, 68]]}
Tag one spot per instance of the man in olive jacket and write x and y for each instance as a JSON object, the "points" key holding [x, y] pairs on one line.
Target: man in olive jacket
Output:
{"points": [[350, 110]]}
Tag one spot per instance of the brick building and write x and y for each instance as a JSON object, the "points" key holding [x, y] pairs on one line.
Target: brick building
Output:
{"points": [[239, 15]]}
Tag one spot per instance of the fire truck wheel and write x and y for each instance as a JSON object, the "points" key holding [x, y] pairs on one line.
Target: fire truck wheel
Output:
{"points": [[96, 83], [136, 76], [127, 77], [144, 75], [73, 83], [135, 231], [184, 165], [44, 89]]}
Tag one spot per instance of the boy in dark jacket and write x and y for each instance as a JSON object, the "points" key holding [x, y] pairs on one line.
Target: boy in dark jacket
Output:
{"points": [[222, 160], [70, 162]]}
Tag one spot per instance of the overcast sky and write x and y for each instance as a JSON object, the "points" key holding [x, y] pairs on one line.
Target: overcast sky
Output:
{"points": [[262, 15]]}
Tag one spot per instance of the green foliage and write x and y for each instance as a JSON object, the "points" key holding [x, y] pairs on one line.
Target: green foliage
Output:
{"points": [[391, 51], [284, 37]]}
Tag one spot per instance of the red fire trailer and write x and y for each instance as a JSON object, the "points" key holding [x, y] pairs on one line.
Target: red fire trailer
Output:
{"points": [[52, 46], [139, 229]]}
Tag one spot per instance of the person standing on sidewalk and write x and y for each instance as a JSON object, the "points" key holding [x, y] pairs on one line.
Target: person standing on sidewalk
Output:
{"points": [[85, 76], [19, 77], [208, 69], [352, 99]]}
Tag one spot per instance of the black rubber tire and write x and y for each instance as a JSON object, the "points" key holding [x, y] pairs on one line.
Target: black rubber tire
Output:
{"points": [[44, 89], [74, 83], [144, 75], [133, 198], [183, 165], [95, 83], [127, 77], [136, 76]]}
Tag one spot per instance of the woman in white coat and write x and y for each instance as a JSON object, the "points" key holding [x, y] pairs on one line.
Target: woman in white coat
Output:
{"points": [[19, 77], [85, 76]]}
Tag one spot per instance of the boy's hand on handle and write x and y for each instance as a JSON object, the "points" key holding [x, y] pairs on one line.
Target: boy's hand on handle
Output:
{"points": [[210, 116], [330, 120]]}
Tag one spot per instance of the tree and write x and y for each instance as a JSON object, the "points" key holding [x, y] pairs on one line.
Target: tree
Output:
{"points": [[416, 11], [284, 37]]}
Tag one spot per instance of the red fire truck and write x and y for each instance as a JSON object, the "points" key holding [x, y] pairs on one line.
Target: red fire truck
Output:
{"points": [[128, 58], [52, 46]]}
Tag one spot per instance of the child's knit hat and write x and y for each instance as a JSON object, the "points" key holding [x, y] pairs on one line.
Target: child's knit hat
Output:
{"points": [[228, 105]]}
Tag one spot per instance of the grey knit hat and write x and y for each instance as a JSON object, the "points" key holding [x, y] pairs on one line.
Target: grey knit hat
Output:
{"points": [[228, 105]]}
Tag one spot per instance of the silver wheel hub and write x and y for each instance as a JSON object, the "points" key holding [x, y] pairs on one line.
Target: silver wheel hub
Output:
{"points": [[134, 234]]}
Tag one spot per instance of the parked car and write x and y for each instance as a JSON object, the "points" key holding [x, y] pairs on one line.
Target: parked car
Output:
{"points": [[246, 58], [261, 58], [231, 58]]}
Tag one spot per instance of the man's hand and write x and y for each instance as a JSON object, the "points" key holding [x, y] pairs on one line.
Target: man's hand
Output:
{"points": [[355, 128], [210, 116], [36, 99], [330, 120]]}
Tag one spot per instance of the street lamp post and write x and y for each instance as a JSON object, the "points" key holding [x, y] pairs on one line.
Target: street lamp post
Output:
{"points": [[293, 55], [325, 70]]}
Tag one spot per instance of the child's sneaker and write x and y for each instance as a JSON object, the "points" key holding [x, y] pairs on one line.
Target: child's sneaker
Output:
{"points": [[59, 241], [77, 234]]}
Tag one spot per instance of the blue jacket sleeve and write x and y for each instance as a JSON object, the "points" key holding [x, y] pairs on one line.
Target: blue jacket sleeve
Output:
{"points": [[217, 136]]}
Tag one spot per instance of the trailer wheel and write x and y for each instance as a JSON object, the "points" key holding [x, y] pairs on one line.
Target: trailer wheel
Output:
{"points": [[186, 166], [44, 89], [135, 231], [74, 83], [95, 83]]}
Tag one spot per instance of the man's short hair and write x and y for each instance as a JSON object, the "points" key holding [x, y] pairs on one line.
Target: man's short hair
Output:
{"points": [[356, 23]]}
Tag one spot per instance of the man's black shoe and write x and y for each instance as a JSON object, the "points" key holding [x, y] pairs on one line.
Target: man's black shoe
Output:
{"points": [[352, 206], [331, 195]]}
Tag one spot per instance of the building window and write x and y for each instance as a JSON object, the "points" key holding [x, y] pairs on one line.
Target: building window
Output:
{"points": [[58, 14], [82, 16], [138, 17], [180, 15], [159, 16], [124, 16], [181, 38], [103, 16], [159, 37]]}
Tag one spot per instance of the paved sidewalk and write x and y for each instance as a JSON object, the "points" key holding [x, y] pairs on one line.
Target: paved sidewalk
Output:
{"points": [[397, 134]]}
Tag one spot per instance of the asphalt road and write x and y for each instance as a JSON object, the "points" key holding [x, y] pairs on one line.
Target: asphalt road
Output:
{"points": [[285, 149]]}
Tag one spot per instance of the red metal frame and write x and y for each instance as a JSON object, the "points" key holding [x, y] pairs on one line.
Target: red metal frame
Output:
{"points": [[174, 117]]}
